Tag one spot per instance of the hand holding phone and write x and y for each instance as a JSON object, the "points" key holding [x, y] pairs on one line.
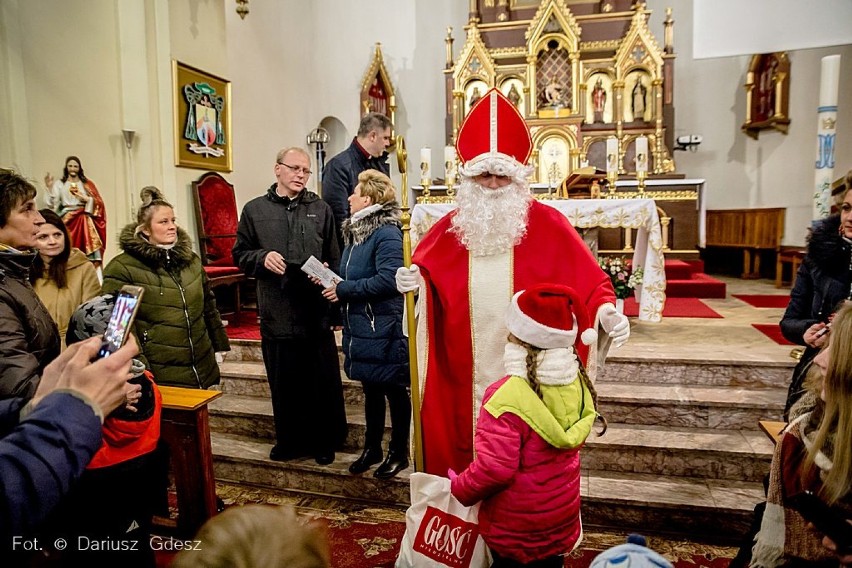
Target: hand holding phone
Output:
{"points": [[827, 520], [127, 303]]}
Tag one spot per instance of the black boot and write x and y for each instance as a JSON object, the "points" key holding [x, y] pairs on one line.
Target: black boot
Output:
{"points": [[395, 462], [369, 456]]}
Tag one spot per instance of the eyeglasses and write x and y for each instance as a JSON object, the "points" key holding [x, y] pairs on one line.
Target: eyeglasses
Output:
{"points": [[296, 169]]}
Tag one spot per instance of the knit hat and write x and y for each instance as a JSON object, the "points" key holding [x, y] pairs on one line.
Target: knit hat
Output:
{"points": [[549, 316], [90, 319], [494, 129]]}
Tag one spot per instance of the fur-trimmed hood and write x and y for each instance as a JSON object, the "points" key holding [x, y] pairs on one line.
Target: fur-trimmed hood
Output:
{"points": [[357, 231], [827, 249], [178, 257]]}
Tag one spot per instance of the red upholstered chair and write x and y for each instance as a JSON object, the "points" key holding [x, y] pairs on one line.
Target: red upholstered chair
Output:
{"points": [[216, 218]]}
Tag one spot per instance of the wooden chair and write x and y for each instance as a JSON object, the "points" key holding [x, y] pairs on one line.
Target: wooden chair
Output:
{"points": [[216, 219]]}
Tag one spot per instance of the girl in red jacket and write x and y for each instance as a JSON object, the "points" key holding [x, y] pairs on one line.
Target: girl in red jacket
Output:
{"points": [[530, 429]]}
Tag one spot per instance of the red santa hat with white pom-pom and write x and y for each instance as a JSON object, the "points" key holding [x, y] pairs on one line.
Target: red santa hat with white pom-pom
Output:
{"points": [[549, 316]]}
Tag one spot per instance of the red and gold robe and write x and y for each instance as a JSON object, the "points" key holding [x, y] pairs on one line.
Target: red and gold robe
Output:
{"points": [[462, 332]]}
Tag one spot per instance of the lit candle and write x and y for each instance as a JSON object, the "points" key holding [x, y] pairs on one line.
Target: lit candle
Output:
{"points": [[611, 154], [642, 154], [426, 165]]}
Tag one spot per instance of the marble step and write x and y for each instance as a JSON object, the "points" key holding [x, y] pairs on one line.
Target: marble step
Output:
{"points": [[741, 374], [631, 403], [689, 405], [709, 453], [638, 369], [701, 508], [251, 416], [696, 452]]}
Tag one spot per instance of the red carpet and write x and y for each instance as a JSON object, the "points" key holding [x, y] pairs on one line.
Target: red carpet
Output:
{"points": [[675, 308], [244, 326], [764, 300], [772, 331]]}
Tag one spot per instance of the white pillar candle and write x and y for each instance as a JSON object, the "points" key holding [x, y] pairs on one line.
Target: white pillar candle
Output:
{"points": [[641, 154], [426, 165], [449, 162], [611, 154], [826, 135]]}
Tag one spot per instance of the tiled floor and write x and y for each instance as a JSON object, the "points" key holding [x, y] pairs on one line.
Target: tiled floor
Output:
{"points": [[731, 338]]}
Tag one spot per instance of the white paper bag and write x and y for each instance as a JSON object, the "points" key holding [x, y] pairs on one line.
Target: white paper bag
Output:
{"points": [[440, 531]]}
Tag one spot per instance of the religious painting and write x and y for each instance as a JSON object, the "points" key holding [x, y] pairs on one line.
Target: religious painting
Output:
{"points": [[202, 109], [553, 78], [637, 97], [472, 93], [514, 90], [599, 99], [767, 93]]}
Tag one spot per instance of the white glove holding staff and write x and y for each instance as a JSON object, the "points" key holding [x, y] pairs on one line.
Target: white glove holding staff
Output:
{"points": [[615, 324], [408, 279]]}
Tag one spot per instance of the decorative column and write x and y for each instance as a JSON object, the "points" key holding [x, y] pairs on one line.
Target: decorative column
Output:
{"points": [[826, 133]]}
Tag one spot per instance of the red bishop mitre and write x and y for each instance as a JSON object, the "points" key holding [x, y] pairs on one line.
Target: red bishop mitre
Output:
{"points": [[494, 127], [549, 316]]}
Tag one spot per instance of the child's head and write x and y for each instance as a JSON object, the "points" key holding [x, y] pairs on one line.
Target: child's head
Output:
{"points": [[257, 536], [549, 316]]}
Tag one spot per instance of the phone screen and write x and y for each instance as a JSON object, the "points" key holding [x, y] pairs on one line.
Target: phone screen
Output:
{"points": [[120, 321]]}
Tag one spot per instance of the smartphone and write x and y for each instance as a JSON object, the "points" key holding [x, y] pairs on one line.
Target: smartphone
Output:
{"points": [[827, 520], [127, 303]]}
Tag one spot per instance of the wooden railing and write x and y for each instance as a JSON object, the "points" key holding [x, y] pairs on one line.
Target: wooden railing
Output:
{"points": [[752, 230]]}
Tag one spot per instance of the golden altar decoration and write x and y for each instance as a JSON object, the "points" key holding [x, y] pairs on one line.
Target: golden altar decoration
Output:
{"points": [[377, 92]]}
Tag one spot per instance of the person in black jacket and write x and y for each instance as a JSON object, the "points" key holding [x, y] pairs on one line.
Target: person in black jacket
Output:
{"points": [[367, 151], [29, 338], [277, 233], [374, 347], [824, 280]]}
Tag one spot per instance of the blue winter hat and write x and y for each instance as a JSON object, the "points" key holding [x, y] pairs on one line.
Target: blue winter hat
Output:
{"points": [[632, 555]]}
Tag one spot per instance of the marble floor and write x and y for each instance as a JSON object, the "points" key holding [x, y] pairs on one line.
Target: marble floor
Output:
{"points": [[730, 338]]}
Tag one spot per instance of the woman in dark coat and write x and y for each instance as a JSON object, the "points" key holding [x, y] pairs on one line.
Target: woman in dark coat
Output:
{"points": [[824, 280], [178, 326], [375, 349]]}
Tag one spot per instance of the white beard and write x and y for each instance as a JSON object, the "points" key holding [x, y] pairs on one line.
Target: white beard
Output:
{"points": [[491, 221]]}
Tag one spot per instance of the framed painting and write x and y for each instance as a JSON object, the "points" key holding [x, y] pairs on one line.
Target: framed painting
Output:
{"points": [[202, 110]]}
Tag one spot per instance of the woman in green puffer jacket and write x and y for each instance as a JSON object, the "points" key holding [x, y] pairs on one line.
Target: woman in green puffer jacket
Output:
{"points": [[178, 327]]}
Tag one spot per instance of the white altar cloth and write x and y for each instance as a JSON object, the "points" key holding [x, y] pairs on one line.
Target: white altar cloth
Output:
{"points": [[639, 214]]}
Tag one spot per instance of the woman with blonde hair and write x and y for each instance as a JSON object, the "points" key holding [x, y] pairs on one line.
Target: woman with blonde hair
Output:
{"points": [[375, 349], [813, 455], [178, 326]]}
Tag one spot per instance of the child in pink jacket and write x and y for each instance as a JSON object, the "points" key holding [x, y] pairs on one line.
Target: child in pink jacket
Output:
{"points": [[530, 429]]}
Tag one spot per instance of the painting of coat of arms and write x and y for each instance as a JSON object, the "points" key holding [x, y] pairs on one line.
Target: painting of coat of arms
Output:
{"points": [[202, 107]]}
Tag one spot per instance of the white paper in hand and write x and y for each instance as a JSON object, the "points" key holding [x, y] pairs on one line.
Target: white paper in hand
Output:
{"points": [[315, 268]]}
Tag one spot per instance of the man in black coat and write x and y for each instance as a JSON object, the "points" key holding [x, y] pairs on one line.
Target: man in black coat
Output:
{"points": [[277, 233], [368, 151]]}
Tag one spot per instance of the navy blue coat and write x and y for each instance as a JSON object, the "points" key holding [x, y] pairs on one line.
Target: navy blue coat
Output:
{"points": [[374, 346]]}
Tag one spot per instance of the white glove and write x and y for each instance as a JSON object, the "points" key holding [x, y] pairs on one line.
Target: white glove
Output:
{"points": [[408, 279], [615, 324]]}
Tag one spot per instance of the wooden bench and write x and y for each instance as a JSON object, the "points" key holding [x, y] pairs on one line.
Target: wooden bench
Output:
{"points": [[773, 429], [186, 430], [752, 230], [792, 256]]}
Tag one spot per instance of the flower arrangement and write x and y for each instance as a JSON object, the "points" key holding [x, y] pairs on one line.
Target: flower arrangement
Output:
{"points": [[624, 278]]}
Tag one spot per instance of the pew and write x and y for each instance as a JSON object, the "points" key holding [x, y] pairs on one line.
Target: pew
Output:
{"points": [[751, 230]]}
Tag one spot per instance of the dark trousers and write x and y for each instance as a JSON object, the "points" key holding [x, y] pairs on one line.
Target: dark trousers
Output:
{"points": [[400, 415], [549, 562], [307, 394]]}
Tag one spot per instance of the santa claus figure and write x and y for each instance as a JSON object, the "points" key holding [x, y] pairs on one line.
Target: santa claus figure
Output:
{"points": [[468, 266]]}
